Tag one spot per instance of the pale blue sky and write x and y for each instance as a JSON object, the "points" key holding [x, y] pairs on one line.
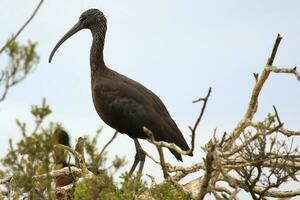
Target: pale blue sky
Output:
{"points": [[175, 48]]}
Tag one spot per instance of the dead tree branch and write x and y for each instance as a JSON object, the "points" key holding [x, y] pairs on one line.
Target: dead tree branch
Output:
{"points": [[208, 174], [252, 106], [252, 158]]}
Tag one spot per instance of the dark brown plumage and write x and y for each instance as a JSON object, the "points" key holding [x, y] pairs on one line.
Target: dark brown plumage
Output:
{"points": [[123, 103], [60, 136]]}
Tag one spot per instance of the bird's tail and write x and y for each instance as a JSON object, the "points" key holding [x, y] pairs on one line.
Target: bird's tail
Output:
{"points": [[178, 155]]}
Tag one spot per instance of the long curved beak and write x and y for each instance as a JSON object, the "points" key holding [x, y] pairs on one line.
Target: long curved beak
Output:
{"points": [[77, 27]]}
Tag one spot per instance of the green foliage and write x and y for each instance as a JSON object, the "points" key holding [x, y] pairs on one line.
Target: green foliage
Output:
{"points": [[35, 155], [97, 187], [118, 162], [22, 59], [32, 155], [40, 112], [102, 187], [22, 56], [96, 162], [168, 191], [131, 187]]}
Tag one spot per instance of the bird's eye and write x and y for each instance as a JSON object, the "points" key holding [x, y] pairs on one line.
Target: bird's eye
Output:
{"points": [[83, 18]]}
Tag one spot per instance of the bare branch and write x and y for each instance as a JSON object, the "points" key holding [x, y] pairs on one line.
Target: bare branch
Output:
{"points": [[271, 193], [23, 27], [208, 174], [193, 130], [248, 141], [164, 144], [162, 162], [108, 143], [152, 158], [277, 116], [252, 106], [284, 70], [181, 172], [289, 132]]}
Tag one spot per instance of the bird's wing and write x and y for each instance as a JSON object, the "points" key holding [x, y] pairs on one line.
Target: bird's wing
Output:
{"points": [[135, 106], [157, 113], [120, 111]]}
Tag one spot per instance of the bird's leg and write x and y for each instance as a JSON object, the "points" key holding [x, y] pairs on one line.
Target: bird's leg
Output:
{"points": [[142, 156], [139, 157], [136, 161]]}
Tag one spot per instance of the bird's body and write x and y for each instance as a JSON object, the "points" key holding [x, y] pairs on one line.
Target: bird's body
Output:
{"points": [[127, 106], [121, 102]]}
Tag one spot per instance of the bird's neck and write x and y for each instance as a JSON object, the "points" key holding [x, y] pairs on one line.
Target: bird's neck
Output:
{"points": [[96, 54]]}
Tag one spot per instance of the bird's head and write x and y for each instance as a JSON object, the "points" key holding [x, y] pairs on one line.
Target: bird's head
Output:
{"points": [[92, 19]]}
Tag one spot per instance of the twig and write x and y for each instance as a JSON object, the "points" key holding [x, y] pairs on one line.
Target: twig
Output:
{"points": [[108, 143], [181, 172], [153, 182], [256, 76], [289, 132], [151, 157], [23, 27], [231, 180], [162, 162], [248, 141], [284, 70], [223, 139], [281, 129], [193, 130], [277, 116]]}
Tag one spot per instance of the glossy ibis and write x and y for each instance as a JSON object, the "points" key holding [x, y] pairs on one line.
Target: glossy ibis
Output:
{"points": [[121, 102]]}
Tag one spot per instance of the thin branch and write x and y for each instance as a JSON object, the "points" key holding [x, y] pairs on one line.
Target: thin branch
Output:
{"points": [[152, 158], [23, 27], [282, 130], [277, 116], [162, 162], [193, 130], [248, 141], [181, 172], [108, 143], [153, 182], [258, 190], [164, 144], [284, 70], [289, 132]]}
